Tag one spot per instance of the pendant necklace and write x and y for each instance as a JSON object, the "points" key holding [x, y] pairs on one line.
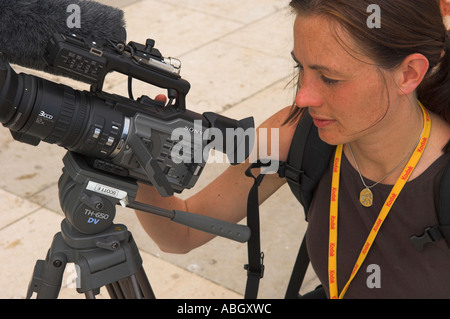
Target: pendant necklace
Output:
{"points": [[366, 195]]}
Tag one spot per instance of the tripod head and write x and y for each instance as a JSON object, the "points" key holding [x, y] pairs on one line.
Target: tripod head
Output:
{"points": [[88, 197]]}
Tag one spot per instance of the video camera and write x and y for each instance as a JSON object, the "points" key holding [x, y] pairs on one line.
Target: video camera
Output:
{"points": [[122, 136]]}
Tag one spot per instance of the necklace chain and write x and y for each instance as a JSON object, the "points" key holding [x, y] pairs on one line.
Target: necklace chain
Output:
{"points": [[390, 172], [383, 178]]}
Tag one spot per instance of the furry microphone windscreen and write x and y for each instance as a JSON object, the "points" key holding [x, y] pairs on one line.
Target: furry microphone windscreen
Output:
{"points": [[26, 26]]}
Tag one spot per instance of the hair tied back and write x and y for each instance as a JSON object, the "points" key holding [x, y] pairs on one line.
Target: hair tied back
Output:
{"points": [[447, 41]]}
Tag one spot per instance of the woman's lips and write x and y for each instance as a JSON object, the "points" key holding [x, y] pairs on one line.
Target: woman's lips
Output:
{"points": [[321, 123]]}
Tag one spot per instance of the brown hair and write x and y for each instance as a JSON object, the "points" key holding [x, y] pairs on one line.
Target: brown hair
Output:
{"points": [[407, 27]]}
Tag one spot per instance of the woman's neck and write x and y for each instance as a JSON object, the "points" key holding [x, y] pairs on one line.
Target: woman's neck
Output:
{"points": [[387, 148]]}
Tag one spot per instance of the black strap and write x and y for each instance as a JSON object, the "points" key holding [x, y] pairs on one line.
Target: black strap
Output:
{"points": [[442, 229], [299, 272], [255, 266], [444, 203], [293, 167], [307, 160], [302, 174]]}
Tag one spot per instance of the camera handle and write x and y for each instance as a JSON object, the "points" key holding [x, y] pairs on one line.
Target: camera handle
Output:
{"points": [[105, 253], [145, 158]]}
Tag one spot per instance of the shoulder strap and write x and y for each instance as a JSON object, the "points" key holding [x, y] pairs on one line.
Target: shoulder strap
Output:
{"points": [[308, 158], [442, 229], [302, 174], [255, 266], [444, 204]]}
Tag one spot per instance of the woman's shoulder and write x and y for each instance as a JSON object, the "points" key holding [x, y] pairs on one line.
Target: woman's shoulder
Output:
{"points": [[439, 138], [437, 144], [276, 130]]}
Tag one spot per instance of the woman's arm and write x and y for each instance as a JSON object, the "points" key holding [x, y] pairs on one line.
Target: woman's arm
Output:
{"points": [[225, 198]]}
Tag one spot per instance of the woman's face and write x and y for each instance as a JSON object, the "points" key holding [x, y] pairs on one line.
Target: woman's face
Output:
{"points": [[343, 90]]}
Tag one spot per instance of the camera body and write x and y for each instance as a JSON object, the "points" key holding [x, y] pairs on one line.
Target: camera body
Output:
{"points": [[122, 136]]}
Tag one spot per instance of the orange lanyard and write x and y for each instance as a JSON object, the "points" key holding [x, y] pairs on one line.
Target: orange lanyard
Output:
{"points": [[332, 251]]}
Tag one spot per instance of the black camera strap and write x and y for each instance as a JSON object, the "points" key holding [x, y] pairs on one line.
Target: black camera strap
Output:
{"points": [[255, 266]]}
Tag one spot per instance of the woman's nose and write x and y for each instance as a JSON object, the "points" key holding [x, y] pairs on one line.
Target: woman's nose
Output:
{"points": [[308, 94]]}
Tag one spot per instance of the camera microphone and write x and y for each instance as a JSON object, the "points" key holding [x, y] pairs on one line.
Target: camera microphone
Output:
{"points": [[26, 27]]}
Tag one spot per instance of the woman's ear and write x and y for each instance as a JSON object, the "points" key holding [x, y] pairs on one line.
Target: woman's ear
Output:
{"points": [[411, 73]]}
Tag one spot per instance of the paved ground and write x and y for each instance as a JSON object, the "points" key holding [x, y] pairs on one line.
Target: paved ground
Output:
{"points": [[236, 55]]}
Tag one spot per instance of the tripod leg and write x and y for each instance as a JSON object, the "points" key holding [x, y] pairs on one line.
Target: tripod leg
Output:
{"points": [[120, 289], [90, 294], [127, 288], [144, 283], [47, 277], [114, 291], [134, 287]]}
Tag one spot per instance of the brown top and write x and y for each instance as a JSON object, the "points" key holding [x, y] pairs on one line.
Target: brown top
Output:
{"points": [[403, 271]]}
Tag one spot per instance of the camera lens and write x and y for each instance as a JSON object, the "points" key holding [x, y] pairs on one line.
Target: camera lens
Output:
{"points": [[9, 88], [35, 109]]}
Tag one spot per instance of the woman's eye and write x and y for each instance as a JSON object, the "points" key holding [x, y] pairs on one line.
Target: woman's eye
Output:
{"points": [[328, 80], [299, 67], [325, 79]]}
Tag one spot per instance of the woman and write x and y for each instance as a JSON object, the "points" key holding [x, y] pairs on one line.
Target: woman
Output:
{"points": [[365, 86]]}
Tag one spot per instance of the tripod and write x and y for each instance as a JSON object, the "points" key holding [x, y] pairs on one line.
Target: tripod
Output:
{"points": [[104, 253]]}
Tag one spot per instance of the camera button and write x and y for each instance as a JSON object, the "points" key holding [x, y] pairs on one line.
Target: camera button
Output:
{"points": [[110, 141], [97, 132]]}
